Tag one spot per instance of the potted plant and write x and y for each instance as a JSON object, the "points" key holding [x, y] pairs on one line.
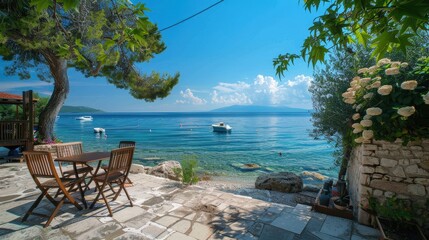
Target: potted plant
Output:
{"points": [[395, 219]]}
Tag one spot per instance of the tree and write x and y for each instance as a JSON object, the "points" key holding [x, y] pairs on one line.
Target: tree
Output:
{"points": [[382, 25], [332, 116], [96, 37]]}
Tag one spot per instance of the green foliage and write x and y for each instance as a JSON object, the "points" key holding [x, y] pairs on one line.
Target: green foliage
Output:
{"points": [[393, 208], [188, 172], [384, 25], [399, 111]]}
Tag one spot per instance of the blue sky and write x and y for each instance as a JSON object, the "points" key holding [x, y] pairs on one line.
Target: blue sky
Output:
{"points": [[224, 57]]}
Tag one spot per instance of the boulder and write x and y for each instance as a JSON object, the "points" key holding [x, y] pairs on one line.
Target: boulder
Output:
{"points": [[137, 168], [166, 170], [282, 182], [314, 175]]}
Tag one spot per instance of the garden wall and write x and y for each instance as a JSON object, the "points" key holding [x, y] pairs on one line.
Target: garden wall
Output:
{"points": [[52, 148], [382, 169]]}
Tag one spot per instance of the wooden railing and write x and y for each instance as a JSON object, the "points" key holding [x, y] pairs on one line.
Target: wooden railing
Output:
{"points": [[13, 133]]}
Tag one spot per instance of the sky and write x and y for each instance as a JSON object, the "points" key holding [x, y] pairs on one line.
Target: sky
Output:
{"points": [[224, 57]]}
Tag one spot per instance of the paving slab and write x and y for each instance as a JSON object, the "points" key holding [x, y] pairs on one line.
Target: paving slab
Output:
{"points": [[291, 222], [270, 233], [337, 227]]}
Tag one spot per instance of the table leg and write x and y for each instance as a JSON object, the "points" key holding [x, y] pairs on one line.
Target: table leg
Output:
{"points": [[82, 192]]}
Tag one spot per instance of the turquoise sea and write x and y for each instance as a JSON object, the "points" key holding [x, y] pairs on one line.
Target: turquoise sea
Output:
{"points": [[255, 138]]}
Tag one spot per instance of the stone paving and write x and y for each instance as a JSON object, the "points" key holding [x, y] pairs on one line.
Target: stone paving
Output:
{"points": [[164, 209]]}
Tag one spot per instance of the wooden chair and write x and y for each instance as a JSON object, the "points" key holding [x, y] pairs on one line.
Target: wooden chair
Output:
{"points": [[70, 149], [117, 173], [122, 144], [41, 166]]}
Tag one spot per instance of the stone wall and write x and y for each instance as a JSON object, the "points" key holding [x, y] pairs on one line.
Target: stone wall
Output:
{"points": [[52, 148], [382, 169]]}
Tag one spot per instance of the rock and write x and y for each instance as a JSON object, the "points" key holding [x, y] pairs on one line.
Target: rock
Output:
{"points": [[247, 166], [315, 175], [307, 198], [166, 170], [311, 188], [282, 182], [137, 168]]}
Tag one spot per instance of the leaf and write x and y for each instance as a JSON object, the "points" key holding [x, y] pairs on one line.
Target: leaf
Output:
{"points": [[41, 4], [70, 4]]}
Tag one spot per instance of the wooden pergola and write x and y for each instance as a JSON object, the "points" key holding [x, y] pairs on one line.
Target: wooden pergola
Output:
{"points": [[19, 131]]}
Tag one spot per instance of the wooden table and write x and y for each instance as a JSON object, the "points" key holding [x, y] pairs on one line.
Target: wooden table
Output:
{"points": [[85, 158]]}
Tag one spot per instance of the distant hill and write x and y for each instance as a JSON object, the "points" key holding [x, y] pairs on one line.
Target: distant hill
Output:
{"points": [[78, 109], [253, 108]]}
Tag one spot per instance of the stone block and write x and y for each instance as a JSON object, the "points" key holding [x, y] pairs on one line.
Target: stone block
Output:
{"points": [[367, 160], [389, 186], [424, 181], [424, 165], [409, 180], [382, 153], [406, 153], [398, 172], [404, 162], [389, 194], [417, 189], [415, 161], [391, 146], [364, 179], [377, 193], [367, 169], [385, 162], [414, 148], [367, 153], [380, 169], [377, 176], [418, 154], [415, 171], [369, 147], [394, 154], [366, 190]]}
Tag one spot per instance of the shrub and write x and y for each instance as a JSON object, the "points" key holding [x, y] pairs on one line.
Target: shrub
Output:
{"points": [[188, 172]]}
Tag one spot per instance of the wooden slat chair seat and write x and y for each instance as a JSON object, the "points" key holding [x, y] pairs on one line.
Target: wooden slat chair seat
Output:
{"points": [[71, 149], [42, 169], [122, 144], [117, 173]]}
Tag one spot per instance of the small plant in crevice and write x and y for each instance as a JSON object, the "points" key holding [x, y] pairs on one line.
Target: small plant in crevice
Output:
{"points": [[188, 172]]}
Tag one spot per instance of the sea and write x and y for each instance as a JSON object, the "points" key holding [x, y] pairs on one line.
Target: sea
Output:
{"points": [[274, 141]]}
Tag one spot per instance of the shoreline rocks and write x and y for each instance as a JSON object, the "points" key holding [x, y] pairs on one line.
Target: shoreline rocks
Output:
{"points": [[166, 170], [283, 182]]}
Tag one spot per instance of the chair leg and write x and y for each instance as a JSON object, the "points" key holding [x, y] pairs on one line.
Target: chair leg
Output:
{"points": [[128, 196], [54, 213], [97, 187], [107, 204], [30, 211]]}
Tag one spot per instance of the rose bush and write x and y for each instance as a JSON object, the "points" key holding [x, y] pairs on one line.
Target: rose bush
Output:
{"points": [[391, 100]]}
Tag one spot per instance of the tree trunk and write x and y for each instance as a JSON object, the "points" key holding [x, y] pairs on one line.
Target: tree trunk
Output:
{"points": [[58, 68]]}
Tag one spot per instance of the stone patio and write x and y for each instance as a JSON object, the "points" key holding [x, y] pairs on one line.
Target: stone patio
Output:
{"points": [[164, 209]]}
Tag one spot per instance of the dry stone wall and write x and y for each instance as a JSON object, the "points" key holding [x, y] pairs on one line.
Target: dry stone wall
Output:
{"points": [[382, 169]]}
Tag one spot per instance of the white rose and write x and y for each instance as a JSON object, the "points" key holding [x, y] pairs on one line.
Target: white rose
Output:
{"points": [[367, 117], [392, 71], [359, 140], [383, 61], [385, 90], [375, 111], [372, 69], [349, 100], [426, 98], [366, 123], [367, 134], [409, 85], [356, 126], [376, 84], [368, 95], [406, 111], [378, 78], [356, 116], [364, 81], [404, 65], [353, 83], [395, 64], [362, 70], [348, 94], [357, 130]]}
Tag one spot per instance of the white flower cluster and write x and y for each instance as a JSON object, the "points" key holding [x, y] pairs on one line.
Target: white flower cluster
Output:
{"points": [[363, 88]]}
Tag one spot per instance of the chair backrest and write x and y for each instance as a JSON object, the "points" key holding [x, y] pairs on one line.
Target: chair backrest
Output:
{"points": [[123, 144], [120, 160], [40, 164], [69, 149]]}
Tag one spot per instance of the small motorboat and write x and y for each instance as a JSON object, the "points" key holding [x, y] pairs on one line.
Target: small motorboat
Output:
{"points": [[84, 118], [99, 130], [221, 127]]}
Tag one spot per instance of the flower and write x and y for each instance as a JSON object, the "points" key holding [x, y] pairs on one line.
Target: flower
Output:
{"points": [[356, 125], [383, 61], [378, 78], [354, 83], [376, 84], [374, 111], [392, 71], [426, 98], [395, 64], [406, 111], [357, 130], [368, 95], [404, 65], [362, 70], [385, 90], [348, 94], [367, 134], [366, 123], [372, 69], [356, 116], [349, 100], [365, 81], [358, 107], [409, 85], [359, 140], [367, 117]]}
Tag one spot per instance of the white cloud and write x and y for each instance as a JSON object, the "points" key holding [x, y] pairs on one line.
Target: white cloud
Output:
{"points": [[265, 90], [189, 97], [6, 86]]}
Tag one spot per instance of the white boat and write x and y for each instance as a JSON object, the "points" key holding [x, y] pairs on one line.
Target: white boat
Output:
{"points": [[84, 118], [221, 127], [99, 130]]}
